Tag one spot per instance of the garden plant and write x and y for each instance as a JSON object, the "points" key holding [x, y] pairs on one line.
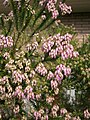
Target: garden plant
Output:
{"points": [[38, 68]]}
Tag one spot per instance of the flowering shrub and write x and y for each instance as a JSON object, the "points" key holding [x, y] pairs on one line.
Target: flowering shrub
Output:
{"points": [[28, 76], [5, 41], [32, 78]]}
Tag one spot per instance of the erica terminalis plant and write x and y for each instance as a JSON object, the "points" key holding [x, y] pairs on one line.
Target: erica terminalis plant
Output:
{"points": [[37, 15], [31, 81]]}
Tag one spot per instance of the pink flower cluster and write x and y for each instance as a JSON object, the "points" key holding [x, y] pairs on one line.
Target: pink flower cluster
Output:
{"points": [[50, 99], [76, 118], [6, 55], [68, 116], [37, 115], [3, 80], [50, 75], [2, 90], [48, 44], [41, 69], [63, 111], [18, 93], [6, 41], [5, 88], [51, 6], [86, 114], [31, 47], [54, 84], [64, 8], [54, 110], [28, 91], [61, 67], [17, 77], [38, 96], [40, 115], [57, 77], [59, 45]]}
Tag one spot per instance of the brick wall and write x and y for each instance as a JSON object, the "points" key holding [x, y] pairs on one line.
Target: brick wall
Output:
{"points": [[81, 22]]}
